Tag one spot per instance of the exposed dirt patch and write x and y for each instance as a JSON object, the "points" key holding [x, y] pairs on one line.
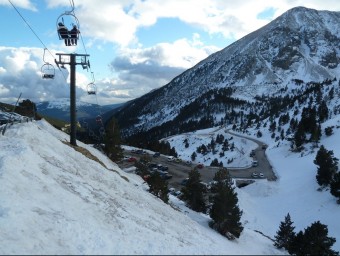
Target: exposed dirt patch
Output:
{"points": [[88, 154], [85, 152]]}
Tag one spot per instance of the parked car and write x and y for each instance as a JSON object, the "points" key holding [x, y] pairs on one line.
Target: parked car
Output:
{"points": [[206, 186], [172, 191], [188, 162], [178, 193], [264, 146], [171, 158], [132, 159], [152, 165], [184, 182], [156, 154], [200, 166], [254, 175], [146, 177], [166, 176], [255, 163], [163, 168], [261, 175]]}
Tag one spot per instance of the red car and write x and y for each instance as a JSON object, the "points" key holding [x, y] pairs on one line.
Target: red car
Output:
{"points": [[200, 166], [132, 159]]}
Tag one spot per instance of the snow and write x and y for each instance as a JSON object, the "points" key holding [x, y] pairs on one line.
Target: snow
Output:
{"points": [[240, 155], [54, 200], [266, 203]]}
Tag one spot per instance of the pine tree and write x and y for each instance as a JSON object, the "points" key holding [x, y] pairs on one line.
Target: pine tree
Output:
{"points": [[328, 166], [297, 244], [225, 213], [335, 186], [158, 187], [323, 111], [193, 192], [285, 234], [317, 240], [313, 241], [193, 156], [112, 141], [299, 136]]}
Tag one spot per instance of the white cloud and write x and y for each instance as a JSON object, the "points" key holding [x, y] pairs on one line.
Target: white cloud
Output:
{"points": [[141, 70], [119, 21], [20, 72], [138, 69], [26, 4]]}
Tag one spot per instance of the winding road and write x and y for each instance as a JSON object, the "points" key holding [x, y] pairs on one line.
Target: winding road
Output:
{"points": [[180, 170]]}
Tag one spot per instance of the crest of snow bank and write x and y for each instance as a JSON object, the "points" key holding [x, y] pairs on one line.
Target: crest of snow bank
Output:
{"points": [[54, 200]]}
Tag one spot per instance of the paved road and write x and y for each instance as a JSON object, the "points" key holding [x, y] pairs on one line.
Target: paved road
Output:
{"points": [[180, 170]]}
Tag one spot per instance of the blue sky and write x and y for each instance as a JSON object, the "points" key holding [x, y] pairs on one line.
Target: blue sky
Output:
{"points": [[135, 46]]}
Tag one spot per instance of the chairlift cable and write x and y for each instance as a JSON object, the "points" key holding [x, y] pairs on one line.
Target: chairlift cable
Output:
{"points": [[45, 47], [29, 26]]}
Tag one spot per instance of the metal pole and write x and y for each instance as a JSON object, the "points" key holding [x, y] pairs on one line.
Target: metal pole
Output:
{"points": [[73, 109]]}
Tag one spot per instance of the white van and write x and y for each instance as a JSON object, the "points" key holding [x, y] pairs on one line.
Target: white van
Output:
{"points": [[171, 158]]}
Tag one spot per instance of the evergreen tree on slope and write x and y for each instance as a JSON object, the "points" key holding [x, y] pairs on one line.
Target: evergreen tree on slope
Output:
{"points": [[193, 192], [335, 186], [285, 234], [313, 241], [225, 213], [328, 166]]}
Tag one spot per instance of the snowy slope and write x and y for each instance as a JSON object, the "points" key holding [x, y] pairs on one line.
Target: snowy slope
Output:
{"points": [[266, 203], [54, 200]]}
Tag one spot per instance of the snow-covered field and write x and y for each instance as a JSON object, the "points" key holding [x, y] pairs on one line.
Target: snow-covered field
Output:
{"points": [[54, 200]]}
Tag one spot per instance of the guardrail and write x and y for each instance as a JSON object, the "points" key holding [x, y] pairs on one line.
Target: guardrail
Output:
{"points": [[10, 122]]}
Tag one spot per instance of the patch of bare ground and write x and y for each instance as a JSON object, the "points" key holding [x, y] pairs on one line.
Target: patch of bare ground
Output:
{"points": [[88, 154]]}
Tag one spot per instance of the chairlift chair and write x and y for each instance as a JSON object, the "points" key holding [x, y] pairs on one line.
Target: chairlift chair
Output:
{"points": [[47, 69], [91, 87], [99, 120], [91, 133], [67, 17], [102, 131], [85, 125]]}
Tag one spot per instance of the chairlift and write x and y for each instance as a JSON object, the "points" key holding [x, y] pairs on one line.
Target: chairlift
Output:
{"points": [[91, 87], [99, 120], [47, 69], [85, 125], [64, 33], [91, 133], [102, 131]]}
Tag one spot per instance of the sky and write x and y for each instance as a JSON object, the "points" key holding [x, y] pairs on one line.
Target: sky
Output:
{"points": [[54, 200], [135, 46]]}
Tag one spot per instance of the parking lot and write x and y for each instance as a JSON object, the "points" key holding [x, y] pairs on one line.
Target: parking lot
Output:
{"points": [[180, 170]]}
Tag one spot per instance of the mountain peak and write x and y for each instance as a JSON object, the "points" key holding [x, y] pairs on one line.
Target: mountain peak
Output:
{"points": [[300, 44]]}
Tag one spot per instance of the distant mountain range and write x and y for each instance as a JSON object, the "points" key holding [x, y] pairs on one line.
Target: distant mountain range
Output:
{"points": [[60, 109], [233, 85]]}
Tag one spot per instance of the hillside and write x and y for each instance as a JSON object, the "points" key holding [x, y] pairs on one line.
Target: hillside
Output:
{"points": [[54, 200], [266, 203], [295, 50]]}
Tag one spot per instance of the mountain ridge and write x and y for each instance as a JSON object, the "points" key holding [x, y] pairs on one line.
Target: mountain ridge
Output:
{"points": [[261, 63]]}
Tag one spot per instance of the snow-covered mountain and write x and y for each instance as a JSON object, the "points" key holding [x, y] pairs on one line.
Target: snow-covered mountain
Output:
{"points": [[55, 200], [300, 46]]}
